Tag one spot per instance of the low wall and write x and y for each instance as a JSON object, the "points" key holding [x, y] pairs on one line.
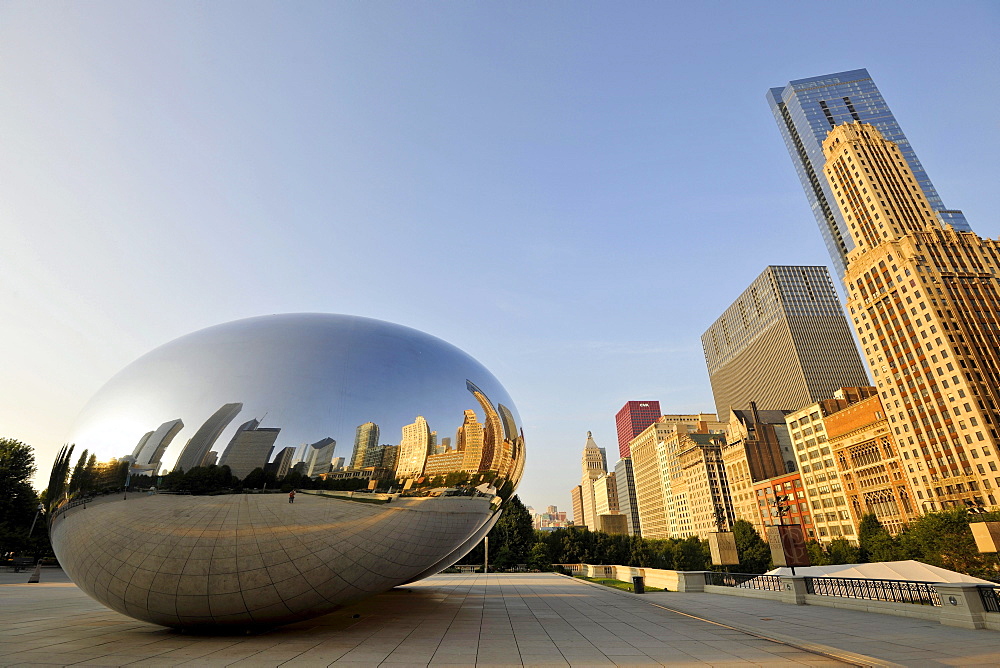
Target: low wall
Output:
{"points": [[962, 605]]}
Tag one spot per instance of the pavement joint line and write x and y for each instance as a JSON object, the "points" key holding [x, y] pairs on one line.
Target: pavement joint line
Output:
{"points": [[779, 638]]}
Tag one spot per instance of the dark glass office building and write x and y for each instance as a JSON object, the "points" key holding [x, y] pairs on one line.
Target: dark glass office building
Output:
{"points": [[806, 110]]}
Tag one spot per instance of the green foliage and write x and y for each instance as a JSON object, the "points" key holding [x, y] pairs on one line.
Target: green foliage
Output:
{"points": [[513, 536], [259, 478], [944, 539], [539, 558], [692, 555], [18, 502], [817, 555], [55, 492], [841, 551], [754, 553], [199, 480]]}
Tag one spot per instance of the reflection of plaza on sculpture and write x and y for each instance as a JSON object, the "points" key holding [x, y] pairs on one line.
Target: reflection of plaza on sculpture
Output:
{"points": [[487, 451]]}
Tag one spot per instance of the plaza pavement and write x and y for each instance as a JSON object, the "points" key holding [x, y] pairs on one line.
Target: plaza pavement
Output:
{"points": [[489, 620]]}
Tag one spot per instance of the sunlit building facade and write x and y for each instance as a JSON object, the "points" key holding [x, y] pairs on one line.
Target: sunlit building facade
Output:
{"points": [[633, 417], [806, 110], [924, 300], [783, 344]]}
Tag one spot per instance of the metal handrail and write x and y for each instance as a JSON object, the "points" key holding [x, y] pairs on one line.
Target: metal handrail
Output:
{"points": [[744, 580], [896, 591], [991, 597]]}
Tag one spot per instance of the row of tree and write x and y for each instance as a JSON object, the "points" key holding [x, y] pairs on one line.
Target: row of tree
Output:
{"points": [[940, 539], [20, 533]]}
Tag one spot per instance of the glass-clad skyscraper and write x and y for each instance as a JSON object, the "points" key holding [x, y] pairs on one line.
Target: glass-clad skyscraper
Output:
{"points": [[806, 110]]}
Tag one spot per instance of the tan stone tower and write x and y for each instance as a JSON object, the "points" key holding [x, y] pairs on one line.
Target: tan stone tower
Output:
{"points": [[925, 302], [593, 465]]}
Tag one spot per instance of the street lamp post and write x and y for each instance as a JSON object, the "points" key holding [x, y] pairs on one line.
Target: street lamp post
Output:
{"points": [[37, 511]]}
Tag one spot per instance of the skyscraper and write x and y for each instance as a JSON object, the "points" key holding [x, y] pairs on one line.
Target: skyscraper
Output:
{"points": [[153, 447], [320, 456], [925, 302], [633, 417], [250, 448], [282, 462], [593, 464], [414, 448], [627, 502], [784, 343], [806, 110], [197, 448], [365, 437]]}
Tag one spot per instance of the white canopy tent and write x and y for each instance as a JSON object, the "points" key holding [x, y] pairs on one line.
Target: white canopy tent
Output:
{"points": [[885, 570]]}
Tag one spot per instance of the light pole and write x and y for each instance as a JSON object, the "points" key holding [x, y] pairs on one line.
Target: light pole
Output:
{"points": [[37, 511]]}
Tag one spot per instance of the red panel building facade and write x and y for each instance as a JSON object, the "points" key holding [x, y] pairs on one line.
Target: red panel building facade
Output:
{"points": [[632, 419]]}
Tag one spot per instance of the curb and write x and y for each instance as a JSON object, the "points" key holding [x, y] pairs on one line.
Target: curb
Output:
{"points": [[780, 638]]}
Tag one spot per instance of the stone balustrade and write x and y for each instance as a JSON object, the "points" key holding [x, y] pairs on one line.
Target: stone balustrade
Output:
{"points": [[961, 603]]}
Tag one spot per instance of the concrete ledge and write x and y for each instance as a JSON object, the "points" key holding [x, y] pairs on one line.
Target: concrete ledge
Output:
{"points": [[928, 612], [744, 592]]}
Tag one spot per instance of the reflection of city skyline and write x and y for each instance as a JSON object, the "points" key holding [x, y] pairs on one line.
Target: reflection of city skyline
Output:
{"points": [[494, 444]]}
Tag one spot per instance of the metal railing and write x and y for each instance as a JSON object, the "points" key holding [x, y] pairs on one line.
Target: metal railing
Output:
{"points": [[895, 591], [744, 580], [991, 598]]}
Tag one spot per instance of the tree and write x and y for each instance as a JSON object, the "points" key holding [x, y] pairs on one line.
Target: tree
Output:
{"points": [[817, 555], [538, 557], [842, 552], [76, 478], [944, 539], [875, 543], [57, 476], [18, 502], [513, 532], [754, 553], [691, 555]]}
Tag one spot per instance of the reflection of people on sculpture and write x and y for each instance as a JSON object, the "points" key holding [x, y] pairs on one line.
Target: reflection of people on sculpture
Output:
{"points": [[291, 496]]}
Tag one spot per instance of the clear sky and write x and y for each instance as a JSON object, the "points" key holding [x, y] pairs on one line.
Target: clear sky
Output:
{"points": [[571, 192]]}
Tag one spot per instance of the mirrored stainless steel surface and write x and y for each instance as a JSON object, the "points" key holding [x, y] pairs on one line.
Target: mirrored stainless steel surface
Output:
{"points": [[176, 505]]}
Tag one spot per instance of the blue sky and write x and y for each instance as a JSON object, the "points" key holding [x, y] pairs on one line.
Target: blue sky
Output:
{"points": [[570, 192]]}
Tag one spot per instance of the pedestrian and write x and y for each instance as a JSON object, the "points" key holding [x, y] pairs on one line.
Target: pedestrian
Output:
{"points": [[291, 496]]}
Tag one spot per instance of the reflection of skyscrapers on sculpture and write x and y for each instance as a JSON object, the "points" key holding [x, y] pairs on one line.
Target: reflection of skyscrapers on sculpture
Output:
{"points": [[413, 448], [494, 446], [471, 437], [151, 446], [365, 438], [282, 462], [249, 448], [197, 448], [320, 456]]}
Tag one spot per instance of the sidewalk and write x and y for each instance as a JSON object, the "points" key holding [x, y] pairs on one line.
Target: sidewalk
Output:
{"points": [[884, 639], [490, 620]]}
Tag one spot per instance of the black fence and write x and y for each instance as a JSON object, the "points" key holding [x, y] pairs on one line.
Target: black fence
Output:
{"points": [[744, 580], [991, 598], [895, 591]]}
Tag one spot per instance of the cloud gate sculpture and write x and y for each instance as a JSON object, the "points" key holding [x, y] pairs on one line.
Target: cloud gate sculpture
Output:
{"points": [[272, 469]]}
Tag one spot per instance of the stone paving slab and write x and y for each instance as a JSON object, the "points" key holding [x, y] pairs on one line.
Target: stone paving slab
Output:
{"points": [[884, 639], [491, 620]]}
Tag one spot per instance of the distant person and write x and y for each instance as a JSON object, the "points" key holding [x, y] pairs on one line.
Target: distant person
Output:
{"points": [[291, 496]]}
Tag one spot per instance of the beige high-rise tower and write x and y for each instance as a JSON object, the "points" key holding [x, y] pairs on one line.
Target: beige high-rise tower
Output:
{"points": [[925, 302], [593, 465]]}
